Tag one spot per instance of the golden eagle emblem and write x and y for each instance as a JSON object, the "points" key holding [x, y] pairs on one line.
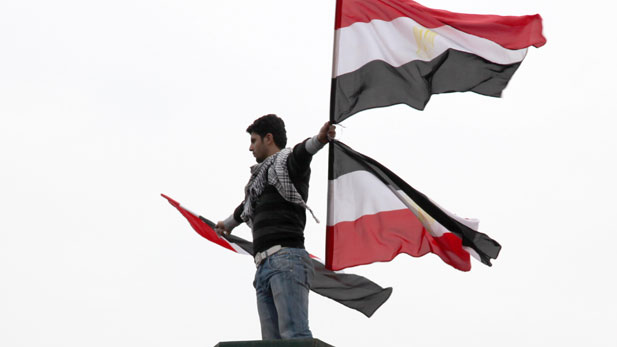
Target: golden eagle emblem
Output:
{"points": [[425, 39]]}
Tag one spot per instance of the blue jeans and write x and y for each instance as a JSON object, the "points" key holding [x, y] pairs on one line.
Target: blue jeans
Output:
{"points": [[282, 284]]}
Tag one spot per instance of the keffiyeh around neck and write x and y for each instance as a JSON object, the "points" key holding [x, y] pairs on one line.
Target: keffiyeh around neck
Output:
{"points": [[272, 171]]}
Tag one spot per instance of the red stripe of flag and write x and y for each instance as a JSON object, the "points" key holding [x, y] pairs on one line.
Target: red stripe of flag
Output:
{"points": [[512, 32], [384, 235], [200, 227]]}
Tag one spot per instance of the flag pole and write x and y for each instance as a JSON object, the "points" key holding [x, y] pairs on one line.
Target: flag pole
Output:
{"points": [[329, 236], [337, 17]]}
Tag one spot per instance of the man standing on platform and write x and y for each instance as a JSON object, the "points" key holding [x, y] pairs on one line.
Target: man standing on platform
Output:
{"points": [[274, 207]]}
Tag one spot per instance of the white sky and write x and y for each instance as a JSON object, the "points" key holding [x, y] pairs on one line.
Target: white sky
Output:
{"points": [[106, 104]]}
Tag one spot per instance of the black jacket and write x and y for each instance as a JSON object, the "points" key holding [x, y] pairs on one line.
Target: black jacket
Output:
{"points": [[275, 220]]}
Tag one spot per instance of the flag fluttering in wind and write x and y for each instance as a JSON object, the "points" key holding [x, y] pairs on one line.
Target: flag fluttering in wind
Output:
{"points": [[373, 215], [390, 52], [356, 292]]}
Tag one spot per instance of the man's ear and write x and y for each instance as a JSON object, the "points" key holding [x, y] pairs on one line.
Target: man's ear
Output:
{"points": [[268, 139]]}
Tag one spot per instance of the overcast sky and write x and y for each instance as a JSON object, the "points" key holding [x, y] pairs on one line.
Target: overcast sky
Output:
{"points": [[106, 104]]}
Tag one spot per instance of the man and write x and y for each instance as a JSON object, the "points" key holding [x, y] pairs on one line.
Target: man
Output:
{"points": [[274, 207]]}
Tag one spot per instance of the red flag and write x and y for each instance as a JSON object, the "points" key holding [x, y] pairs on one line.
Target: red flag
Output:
{"points": [[356, 292]]}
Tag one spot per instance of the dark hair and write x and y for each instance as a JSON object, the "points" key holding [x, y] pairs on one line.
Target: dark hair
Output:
{"points": [[272, 124]]}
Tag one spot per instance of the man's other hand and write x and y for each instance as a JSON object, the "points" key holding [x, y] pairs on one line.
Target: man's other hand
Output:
{"points": [[220, 228]]}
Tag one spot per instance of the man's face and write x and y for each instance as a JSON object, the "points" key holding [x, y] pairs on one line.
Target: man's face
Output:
{"points": [[258, 147]]}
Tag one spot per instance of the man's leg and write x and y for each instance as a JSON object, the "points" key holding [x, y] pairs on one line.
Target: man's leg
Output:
{"points": [[268, 317], [290, 291]]}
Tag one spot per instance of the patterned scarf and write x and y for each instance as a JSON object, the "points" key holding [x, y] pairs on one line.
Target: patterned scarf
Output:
{"points": [[272, 171]]}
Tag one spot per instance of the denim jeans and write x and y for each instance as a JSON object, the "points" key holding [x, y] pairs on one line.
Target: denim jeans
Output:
{"points": [[282, 284]]}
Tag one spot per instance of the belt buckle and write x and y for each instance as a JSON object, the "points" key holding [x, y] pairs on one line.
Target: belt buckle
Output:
{"points": [[258, 258]]}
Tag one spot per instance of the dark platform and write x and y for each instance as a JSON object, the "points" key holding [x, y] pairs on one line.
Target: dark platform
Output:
{"points": [[276, 343]]}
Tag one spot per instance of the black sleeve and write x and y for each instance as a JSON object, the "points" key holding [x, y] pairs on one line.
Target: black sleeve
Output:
{"points": [[238, 212], [299, 161]]}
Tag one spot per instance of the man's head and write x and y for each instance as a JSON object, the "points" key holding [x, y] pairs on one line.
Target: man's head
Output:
{"points": [[268, 136]]}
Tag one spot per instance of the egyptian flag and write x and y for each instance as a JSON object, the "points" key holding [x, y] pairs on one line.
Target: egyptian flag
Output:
{"points": [[373, 215], [353, 291], [390, 52]]}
